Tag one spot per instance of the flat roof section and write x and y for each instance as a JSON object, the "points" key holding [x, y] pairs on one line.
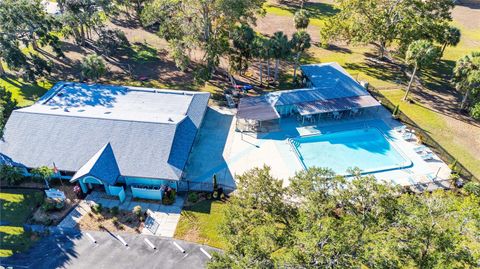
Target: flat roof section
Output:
{"points": [[114, 102], [339, 104], [256, 108]]}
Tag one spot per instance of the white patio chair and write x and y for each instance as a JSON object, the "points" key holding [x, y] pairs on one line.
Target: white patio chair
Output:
{"points": [[408, 136], [422, 149], [427, 156], [400, 129]]}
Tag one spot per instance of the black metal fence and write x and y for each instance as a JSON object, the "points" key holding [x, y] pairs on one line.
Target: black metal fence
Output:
{"points": [[424, 136], [185, 186]]}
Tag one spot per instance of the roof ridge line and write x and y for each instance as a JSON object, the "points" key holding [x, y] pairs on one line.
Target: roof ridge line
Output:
{"points": [[97, 118]]}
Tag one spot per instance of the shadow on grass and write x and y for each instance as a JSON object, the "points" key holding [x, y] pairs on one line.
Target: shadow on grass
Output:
{"points": [[315, 10], [30, 91]]}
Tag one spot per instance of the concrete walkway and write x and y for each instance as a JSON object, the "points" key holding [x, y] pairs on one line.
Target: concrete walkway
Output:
{"points": [[71, 220], [167, 216]]}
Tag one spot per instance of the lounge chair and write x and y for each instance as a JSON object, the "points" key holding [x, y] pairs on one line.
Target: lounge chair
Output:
{"points": [[414, 183], [431, 177], [408, 136], [427, 156], [422, 149], [400, 129]]}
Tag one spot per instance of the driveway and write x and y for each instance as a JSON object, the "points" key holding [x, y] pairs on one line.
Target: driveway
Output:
{"points": [[76, 250]]}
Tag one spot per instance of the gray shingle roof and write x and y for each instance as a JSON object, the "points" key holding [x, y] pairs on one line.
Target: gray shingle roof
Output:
{"points": [[103, 165], [142, 148]]}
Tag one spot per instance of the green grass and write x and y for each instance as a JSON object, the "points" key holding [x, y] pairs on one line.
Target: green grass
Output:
{"points": [[143, 53], [16, 207], [318, 12], [200, 223], [24, 92], [437, 128]]}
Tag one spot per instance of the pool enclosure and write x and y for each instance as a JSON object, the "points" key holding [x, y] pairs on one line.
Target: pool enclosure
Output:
{"points": [[330, 93]]}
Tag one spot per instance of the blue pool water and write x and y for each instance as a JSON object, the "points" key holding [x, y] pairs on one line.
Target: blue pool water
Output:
{"points": [[367, 149]]}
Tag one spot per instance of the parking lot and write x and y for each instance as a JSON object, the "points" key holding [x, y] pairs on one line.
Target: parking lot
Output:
{"points": [[77, 250]]}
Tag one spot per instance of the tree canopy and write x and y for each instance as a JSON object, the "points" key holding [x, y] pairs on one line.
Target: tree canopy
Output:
{"points": [[385, 22], [93, 67], [326, 221], [202, 25], [7, 104], [467, 80], [420, 53]]}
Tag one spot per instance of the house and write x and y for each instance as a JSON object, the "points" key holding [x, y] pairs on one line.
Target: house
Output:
{"points": [[108, 137], [328, 90]]}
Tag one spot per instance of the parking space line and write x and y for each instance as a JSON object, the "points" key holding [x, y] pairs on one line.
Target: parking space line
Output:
{"points": [[206, 253], [179, 247]]}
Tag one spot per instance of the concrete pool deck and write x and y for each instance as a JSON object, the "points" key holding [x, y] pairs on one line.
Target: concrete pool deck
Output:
{"points": [[225, 152]]}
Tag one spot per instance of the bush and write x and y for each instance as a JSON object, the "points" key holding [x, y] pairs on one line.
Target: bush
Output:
{"points": [[114, 210], [115, 221], [97, 208], [141, 218], [472, 188], [193, 197], [11, 175], [50, 204], [137, 210], [110, 41]]}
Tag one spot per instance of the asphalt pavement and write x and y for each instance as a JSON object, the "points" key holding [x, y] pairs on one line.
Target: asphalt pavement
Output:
{"points": [[77, 250]]}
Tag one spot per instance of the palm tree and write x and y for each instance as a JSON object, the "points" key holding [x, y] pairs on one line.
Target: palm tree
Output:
{"points": [[450, 37], [467, 75], [299, 43], [261, 52], [93, 67], [420, 53], [281, 49], [301, 20]]}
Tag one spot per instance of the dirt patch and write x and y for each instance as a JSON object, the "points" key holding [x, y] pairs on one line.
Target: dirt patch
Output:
{"points": [[466, 12], [124, 221]]}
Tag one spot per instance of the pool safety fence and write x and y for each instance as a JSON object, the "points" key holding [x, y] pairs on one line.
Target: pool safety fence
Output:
{"points": [[425, 138]]}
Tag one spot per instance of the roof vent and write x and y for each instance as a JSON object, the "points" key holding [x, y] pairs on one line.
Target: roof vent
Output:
{"points": [[108, 112], [66, 109], [170, 120]]}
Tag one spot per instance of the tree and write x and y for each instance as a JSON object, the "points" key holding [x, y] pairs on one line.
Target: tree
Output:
{"points": [[10, 174], [301, 20], [326, 221], [449, 37], [467, 77], [280, 48], [93, 67], [241, 51], [420, 54], [203, 25], [299, 43], [382, 23], [7, 104], [79, 17], [109, 41], [27, 21], [43, 172]]}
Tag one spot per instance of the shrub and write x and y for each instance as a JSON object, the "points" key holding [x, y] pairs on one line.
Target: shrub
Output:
{"points": [[97, 208], [111, 40], [141, 218], [193, 197], [137, 210], [50, 204], [115, 221], [472, 188], [114, 210], [11, 175], [93, 67]]}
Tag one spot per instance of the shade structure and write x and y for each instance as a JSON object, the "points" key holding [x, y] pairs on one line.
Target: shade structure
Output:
{"points": [[338, 104], [256, 108]]}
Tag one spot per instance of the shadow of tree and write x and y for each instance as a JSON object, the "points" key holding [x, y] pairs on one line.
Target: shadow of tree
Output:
{"points": [[315, 10]]}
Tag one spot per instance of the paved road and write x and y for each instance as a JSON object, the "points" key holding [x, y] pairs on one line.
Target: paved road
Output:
{"points": [[76, 250]]}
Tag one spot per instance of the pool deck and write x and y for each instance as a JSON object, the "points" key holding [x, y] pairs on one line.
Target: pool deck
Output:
{"points": [[223, 151]]}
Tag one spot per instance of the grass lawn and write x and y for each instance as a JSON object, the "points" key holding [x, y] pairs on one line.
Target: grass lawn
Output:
{"points": [[200, 223], [16, 207], [25, 93], [438, 129]]}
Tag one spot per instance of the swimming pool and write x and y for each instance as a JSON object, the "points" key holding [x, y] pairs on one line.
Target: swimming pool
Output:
{"points": [[367, 149]]}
